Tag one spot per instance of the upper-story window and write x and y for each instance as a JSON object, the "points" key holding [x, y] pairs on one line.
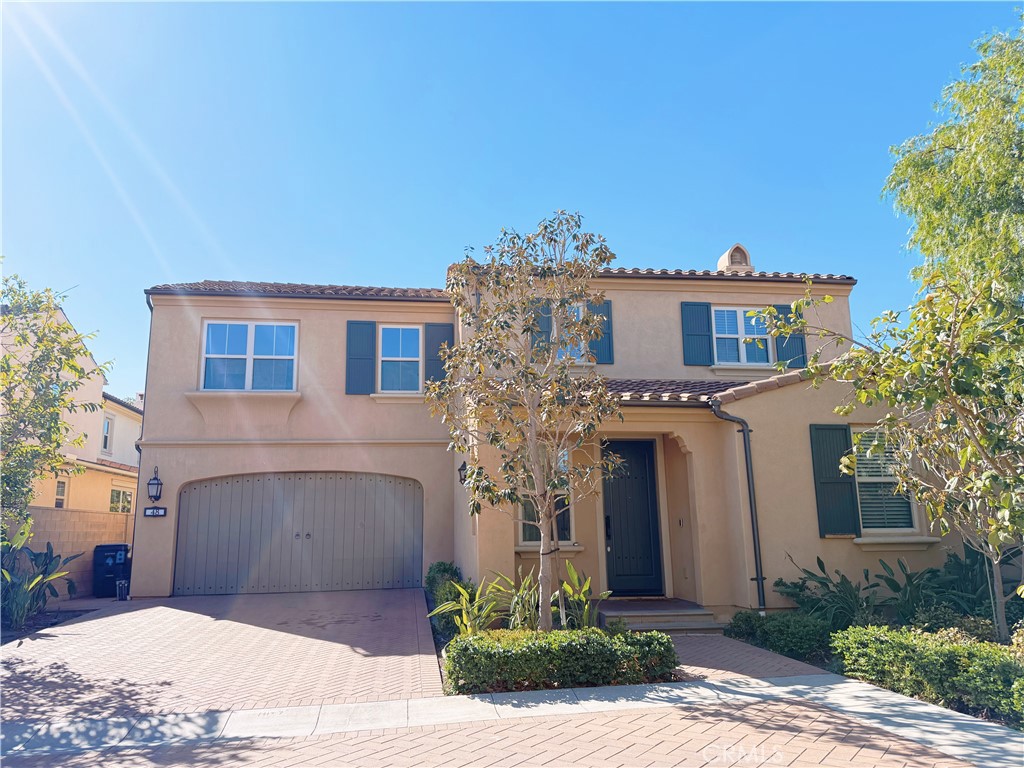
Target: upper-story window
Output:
{"points": [[740, 339], [258, 356], [880, 504], [108, 434], [401, 355], [61, 495]]}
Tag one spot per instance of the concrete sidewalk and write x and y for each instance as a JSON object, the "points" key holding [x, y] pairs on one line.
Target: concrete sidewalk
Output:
{"points": [[958, 736]]}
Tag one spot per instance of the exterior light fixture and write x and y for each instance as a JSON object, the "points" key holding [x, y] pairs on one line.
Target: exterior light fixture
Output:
{"points": [[155, 485], [462, 473]]}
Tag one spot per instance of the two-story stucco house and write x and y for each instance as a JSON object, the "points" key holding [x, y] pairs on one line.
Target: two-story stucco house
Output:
{"points": [[297, 453]]}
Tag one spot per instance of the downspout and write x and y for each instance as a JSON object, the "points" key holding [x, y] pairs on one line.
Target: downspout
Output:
{"points": [[716, 409]]}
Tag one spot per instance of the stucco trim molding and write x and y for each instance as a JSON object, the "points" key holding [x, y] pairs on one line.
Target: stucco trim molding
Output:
{"points": [[896, 543], [385, 442], [397, 397], [216, 408]]}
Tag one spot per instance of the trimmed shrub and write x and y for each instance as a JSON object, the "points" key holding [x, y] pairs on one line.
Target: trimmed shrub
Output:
{"points": [[795, 635], [521, 660], [439, 574], [792, 634], [975, 677]]}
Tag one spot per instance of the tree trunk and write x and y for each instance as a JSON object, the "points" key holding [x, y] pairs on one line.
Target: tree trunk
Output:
{"points": [[544, 576], [999, 602]]}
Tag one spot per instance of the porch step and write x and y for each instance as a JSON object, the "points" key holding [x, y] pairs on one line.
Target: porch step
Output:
{"points": [[668, 616]]}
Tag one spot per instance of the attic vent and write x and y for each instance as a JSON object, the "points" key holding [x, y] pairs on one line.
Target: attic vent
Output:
{"points": [[736, 260]]}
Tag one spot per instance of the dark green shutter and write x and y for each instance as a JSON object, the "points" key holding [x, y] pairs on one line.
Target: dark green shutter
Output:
{"points": [[602, 349], [790, 349], [544, 325], [835, 492], [697, 341], [361, 357], [434, 335]]}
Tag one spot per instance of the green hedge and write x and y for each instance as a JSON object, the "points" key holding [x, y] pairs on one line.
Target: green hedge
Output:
{"points": [[974, 677], [522, 660], [792, 634]]}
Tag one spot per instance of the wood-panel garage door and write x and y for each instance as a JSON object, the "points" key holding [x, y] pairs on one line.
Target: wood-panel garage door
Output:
{"points": [[299, 532]]}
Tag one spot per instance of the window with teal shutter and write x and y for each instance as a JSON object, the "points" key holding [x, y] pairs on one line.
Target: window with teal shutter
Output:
{"points": [[880, 504], [602, 349], [835, 492], [697, 350], [792, 349]]}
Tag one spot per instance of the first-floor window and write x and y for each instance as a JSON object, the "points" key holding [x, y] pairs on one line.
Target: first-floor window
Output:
{"points": [[740, 339], [62, 494], [120, 501], [400, 356], [881, 506], [258, 356], [563, 522]]}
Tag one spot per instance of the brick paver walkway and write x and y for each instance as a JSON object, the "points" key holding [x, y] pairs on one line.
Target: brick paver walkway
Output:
{"points": [[783, 732], [232, 652], [713, 657]]}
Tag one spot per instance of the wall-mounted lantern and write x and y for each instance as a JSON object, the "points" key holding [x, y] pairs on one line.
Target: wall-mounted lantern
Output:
{"points": [[462, 473], [155, 485]]}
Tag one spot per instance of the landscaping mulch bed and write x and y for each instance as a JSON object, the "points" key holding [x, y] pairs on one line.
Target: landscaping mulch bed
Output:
{"points": [[37, 623]]}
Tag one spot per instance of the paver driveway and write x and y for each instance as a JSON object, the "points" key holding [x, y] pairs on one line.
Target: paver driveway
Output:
{"points": [[191, 654]]}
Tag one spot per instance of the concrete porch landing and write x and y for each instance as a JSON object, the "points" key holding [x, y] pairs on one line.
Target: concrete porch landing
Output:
{"points": [[663, 613]]}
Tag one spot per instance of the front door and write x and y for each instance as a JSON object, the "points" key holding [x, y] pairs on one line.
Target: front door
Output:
{"points": [[632, 542]]}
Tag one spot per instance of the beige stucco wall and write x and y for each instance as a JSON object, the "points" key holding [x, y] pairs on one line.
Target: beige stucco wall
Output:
{"points": [[89, 490], [126, 429], [647, 324], [192, 435]]}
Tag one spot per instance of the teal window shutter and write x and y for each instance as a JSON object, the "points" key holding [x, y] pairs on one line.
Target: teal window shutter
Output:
{"points": [[543, 333], [361, 357], [603, 349], [697, 342], [792, 350], [836, 493], [434, 335]]}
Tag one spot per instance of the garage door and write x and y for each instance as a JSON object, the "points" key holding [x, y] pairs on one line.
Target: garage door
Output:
{"points": [[299, 532]]}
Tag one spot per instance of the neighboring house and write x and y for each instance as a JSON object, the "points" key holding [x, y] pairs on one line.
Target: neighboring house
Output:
{"points": [[297, 453]]}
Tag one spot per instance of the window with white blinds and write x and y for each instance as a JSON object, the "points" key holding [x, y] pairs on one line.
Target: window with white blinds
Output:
{"points": [[880, 505]]}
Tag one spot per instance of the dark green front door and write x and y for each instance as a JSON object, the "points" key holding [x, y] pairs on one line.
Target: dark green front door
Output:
{"points": [[632, 542]]}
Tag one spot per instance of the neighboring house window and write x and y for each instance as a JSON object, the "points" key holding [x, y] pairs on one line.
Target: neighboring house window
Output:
{"points": [[740, 339], [257, 356], [108, 428], [120, 501], [880, 505], [61, 495], [400, 355]]}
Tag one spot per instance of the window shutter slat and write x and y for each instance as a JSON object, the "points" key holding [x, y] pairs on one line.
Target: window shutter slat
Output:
{"points": [[544, 325], [835, 492], [697, 342], [792, 350], [361, 357], [880, 507], [603, 349], [434, 335]]}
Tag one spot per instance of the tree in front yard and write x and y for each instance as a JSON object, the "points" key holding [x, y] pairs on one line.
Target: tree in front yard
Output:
{"points": [[520, 387], [45, 363], [951, 368]]}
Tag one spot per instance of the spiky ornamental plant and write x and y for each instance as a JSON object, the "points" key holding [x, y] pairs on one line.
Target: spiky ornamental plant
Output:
{"points": [[520, 384]]}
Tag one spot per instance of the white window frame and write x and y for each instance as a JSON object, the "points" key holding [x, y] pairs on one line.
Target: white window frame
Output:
{"points": [[107, 437], [582, 356], [131, 499], [381, 359], [61, 497], [889, 480], [740, 336], [249, 356], [521, 526]]}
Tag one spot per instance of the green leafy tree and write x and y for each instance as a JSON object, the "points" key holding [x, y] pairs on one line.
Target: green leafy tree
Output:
{"points": [[45, 362], [519, 386], [962, 184]]}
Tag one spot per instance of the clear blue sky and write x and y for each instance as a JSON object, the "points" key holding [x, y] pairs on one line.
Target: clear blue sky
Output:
{"points": [[369, 143]]}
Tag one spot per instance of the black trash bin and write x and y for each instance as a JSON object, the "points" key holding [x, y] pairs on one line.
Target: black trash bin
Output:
{"points": [[110, 564]]}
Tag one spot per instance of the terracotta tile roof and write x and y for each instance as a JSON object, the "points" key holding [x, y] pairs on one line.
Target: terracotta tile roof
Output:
{"points": [[745, 389], [122, 403], [707, 274], [689, 391], [296, 290], [117, 465]]}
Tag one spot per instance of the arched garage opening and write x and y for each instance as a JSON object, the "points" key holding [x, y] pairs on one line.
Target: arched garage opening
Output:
{"points": [[299, 532]]}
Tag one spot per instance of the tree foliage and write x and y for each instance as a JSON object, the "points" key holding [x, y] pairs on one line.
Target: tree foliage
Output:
{"points": [[519, 385], [45, 362]]}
